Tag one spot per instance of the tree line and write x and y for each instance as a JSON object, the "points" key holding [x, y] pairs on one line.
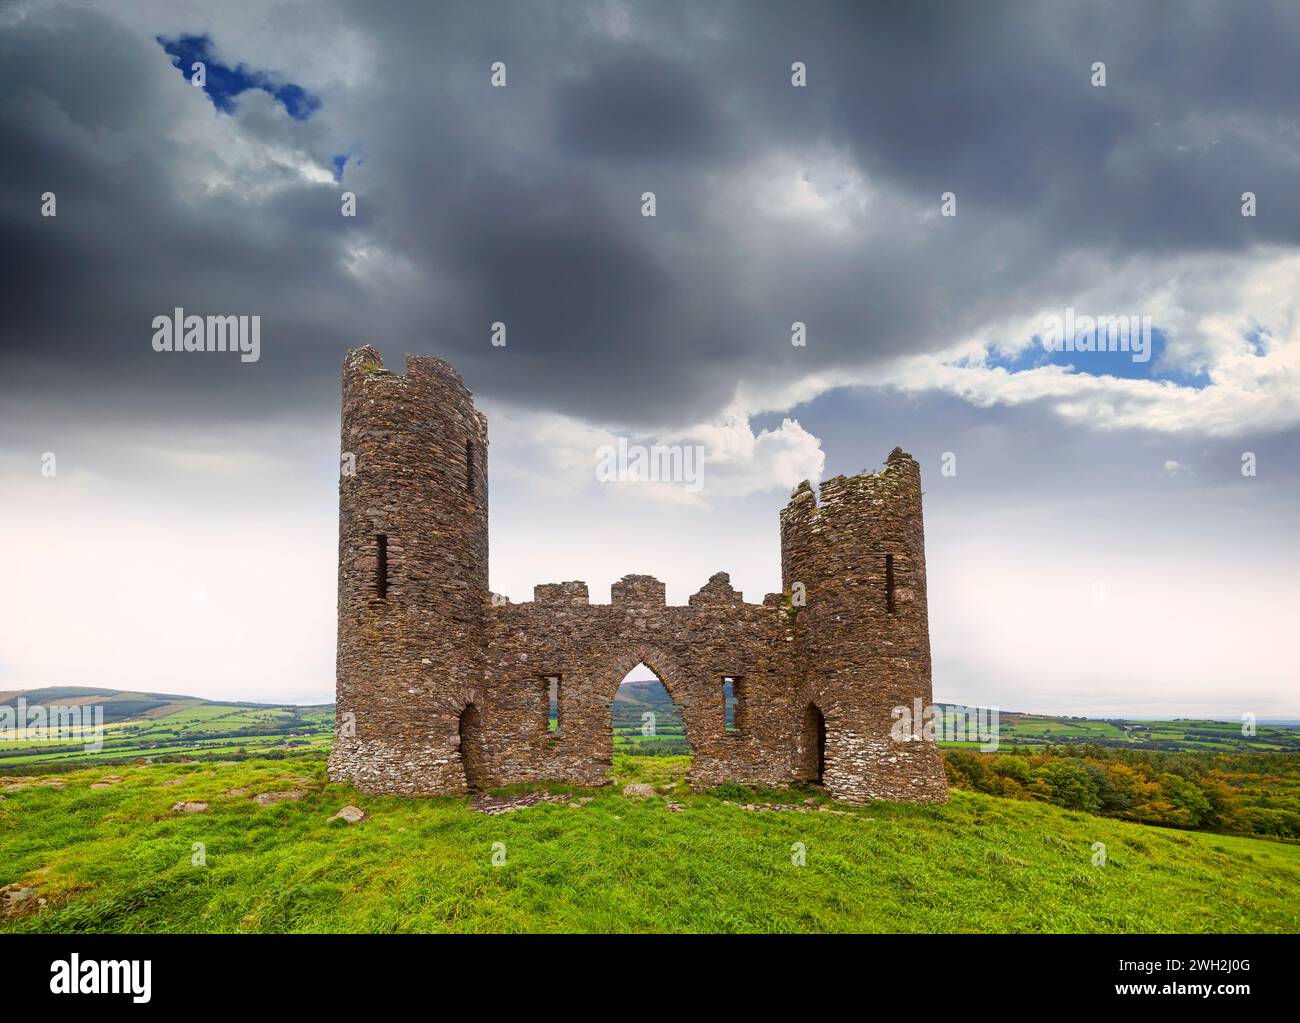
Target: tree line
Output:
{"points": [[1255, 794]]}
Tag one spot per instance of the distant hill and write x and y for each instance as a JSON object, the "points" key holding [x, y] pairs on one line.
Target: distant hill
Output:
{"points": [[118, 704], [1176, 735], [137, 724]]}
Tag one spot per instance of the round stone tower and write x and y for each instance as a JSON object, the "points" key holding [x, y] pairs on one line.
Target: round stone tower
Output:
{"points": [[857, 561], [413, 577]]}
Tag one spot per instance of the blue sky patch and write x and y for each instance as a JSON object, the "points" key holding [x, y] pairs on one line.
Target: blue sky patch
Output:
{"points": [[1103, 363], [223, 83], [1258, 339]]}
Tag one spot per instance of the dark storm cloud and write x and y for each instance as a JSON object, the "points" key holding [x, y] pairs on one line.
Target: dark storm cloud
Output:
{"points": [[639, 108], [996, 103], [522, 204]]}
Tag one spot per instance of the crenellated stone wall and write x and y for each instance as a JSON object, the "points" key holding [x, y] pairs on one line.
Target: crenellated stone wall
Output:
{"points": [[442, 687], [591, 647]]}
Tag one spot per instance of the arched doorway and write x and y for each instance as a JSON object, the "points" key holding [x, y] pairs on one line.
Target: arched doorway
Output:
{"points": [[812, 745], [644, 720], [647, 733], [471, 746]]}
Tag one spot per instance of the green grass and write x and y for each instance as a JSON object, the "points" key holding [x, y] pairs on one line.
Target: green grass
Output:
{"points": [[118, 859]]}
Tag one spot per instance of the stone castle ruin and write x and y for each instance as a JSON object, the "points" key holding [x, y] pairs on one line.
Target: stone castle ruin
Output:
{"points": [[443, 689]]}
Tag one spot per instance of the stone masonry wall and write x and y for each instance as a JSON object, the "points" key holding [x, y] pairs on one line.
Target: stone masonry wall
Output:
{"points": [[441, 688]]}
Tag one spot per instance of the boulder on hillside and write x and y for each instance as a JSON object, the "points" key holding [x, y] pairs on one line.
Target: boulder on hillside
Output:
{"points": [[269, 798], [351, 814]]}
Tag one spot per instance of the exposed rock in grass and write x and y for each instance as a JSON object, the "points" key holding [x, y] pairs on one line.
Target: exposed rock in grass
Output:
{"points": [[170, 782], [638, 790], [506, 804], [19, 900], [805, 807], [236, 792], [49, 783], [190, 806], [270, 798], [351, 814]]}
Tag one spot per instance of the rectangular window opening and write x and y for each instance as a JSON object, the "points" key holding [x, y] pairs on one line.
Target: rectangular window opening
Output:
{"points": [[551, 702], [381, 565], [889, 583], [733, 699], [469, 467]]}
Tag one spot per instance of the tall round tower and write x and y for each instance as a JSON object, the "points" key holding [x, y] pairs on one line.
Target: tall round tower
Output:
{"points": [[857, 561], [413, 576]]}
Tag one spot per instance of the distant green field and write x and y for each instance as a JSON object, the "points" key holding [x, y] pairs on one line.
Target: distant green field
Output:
{"points": [[119, 859], [160, 725], [1021, 730]]}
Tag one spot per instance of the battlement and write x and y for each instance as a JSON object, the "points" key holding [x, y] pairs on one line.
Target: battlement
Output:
{"points": [[899, 481], [717, 592], [638, 591], [571, 593], [426, 375], [645, 591]]}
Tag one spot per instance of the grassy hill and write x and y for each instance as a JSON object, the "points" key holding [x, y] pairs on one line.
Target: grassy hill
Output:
{"points": [[158, 724], [118, 858]]}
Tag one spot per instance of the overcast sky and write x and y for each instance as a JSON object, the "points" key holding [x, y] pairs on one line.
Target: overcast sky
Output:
{"points": [[1098, 549]]}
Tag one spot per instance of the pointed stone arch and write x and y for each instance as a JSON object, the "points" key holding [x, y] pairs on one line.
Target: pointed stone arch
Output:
{"points": [[669, 673]]}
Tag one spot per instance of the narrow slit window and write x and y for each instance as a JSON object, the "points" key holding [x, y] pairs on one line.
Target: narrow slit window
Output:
{"points": [[889, 583], [469, 467], [551, 703], [733, 701], [381, 565]]}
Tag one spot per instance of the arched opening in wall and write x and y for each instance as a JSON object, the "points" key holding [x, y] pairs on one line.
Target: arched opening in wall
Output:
{"points": [[646, 723], [812, 745], [471, 746]]}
